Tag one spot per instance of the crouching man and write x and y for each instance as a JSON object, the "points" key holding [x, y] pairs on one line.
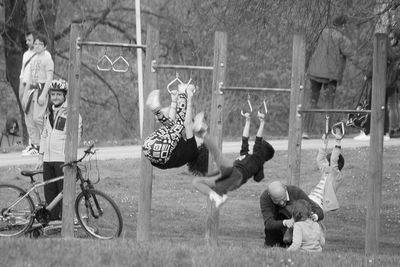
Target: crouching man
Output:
{"points": [[275, 203]]}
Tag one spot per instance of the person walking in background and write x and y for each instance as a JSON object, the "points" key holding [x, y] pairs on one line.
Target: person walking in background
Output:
{"points": [[392, 116], [35, 98], [10, 135], [307, 234], [24, 75], [326, 67], [52, 143]]}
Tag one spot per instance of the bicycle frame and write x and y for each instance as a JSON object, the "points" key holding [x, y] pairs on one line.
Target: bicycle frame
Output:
{"points": [[34, 189]]}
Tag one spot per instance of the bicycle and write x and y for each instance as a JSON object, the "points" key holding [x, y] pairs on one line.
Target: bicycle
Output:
{"points": [[95, 211]]}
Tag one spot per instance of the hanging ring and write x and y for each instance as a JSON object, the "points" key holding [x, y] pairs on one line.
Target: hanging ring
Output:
{"points": [[108, 62], [264, 104], [341, 127], [249, 104], [173, 81], [124, 63]]}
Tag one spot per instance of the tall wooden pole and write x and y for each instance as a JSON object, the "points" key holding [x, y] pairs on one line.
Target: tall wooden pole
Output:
{"points": [[375, 168], [143, 229], [216, 125], [71, 142], [139, 65], [296, 98]]}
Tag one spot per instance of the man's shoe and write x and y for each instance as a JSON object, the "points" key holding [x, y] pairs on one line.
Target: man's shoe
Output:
{"points": [[153, 99], [362, 137]]}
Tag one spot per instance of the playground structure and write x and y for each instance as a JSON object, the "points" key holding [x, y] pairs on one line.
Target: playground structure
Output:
{"points": [[216, 126]]}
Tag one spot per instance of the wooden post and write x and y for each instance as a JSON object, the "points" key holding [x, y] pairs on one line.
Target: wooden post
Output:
{"points": [[374, 192], [296, 98], [143, 230], [216, 124], [71, 142]]}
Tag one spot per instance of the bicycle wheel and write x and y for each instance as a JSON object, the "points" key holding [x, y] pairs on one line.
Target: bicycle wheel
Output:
{"points": [[16, 211], [98, 214]]}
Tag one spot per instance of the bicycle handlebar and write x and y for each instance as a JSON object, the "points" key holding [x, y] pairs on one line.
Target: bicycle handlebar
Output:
{"points": [[86, 152]]}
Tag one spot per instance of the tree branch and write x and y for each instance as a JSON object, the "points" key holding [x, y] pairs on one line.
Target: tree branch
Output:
{"points": [[104, 81]]}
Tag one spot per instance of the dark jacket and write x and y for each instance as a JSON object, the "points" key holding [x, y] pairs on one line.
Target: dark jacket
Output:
{"points": [[252, 164], [273, 215], [329, 58]]}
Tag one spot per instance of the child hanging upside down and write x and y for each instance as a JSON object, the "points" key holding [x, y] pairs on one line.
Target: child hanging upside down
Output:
{"points": [[330, 165], [173, 144], [232, 175]]}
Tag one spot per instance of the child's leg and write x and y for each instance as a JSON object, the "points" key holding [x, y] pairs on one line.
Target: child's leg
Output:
{"points": [[162, 118], [317, 194], [181, 108], [205, 185], [158, 146], [337, 182], [222, 162]]}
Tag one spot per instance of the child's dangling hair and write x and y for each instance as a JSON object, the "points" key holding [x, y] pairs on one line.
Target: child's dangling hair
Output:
{"points": [[301, 210], [199, 167]]}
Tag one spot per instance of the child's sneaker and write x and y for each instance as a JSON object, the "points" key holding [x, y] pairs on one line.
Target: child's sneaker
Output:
{"points": [[153, 99], [362, 137], [199, 126], [218, 199]]}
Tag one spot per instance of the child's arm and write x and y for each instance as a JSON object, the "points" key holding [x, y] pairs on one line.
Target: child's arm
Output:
{"points": [[172, 109], [337, 150], [244, 150], [322, 162], [188, 116], [261, 117], [246, 129], [297, 238], [322, 239]]}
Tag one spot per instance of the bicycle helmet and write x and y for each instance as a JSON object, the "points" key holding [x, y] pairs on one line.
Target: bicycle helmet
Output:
{"points": [[59, 85]]}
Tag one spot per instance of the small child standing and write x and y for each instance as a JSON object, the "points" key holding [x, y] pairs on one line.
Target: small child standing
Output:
{"points": [[307, 234], [10, 135]]}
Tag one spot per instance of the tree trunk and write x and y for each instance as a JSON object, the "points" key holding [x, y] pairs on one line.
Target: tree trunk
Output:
{"points": [[45, 21], [14, 39]]}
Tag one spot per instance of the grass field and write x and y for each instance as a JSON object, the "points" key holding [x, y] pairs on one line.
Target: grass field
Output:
{"points": [[178, 219]]}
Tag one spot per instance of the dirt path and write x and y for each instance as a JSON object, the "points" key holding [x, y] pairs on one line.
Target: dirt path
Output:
{"points": [[133, 152]]}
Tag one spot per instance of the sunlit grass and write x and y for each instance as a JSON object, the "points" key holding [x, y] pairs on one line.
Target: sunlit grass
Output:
{"points": [[178, 220]]}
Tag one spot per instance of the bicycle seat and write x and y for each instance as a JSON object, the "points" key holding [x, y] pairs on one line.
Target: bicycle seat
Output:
{"points": [[31, 173]]}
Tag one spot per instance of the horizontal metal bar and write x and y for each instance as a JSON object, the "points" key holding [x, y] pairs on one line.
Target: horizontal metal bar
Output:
{"points": [[88, 43], [348, 111], [234, 88], [181, 67]]}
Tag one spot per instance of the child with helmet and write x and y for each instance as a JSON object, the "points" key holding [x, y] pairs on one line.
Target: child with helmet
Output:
{"points": [[52, 143]]}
